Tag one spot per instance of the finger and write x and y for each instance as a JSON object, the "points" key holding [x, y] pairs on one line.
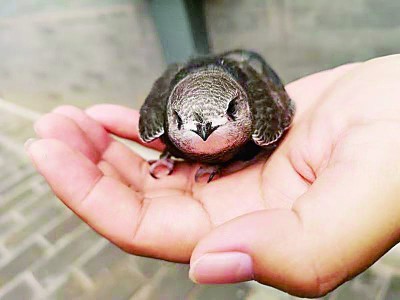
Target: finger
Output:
{"points": [[136, 171], [267, 246], [121, 121], [118, 160], [162, 227], [351, 212], [109, 170], [54, 126], [93, 130]]}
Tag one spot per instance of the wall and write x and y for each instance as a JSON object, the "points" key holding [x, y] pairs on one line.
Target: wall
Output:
{"points": [[86, 51], [299, 37]]}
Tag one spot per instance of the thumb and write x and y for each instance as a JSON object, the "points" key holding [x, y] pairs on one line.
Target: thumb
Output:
{"points": [[337, 229], [268, 246]]}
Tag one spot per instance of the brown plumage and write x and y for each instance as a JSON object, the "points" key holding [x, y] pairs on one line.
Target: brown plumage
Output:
{"points": [[216, 109]]}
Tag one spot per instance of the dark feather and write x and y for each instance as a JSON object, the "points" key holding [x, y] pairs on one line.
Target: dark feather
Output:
{"points": [[273, 110], [152, 112]]}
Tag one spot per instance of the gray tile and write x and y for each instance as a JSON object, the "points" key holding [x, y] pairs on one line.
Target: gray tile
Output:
{"points": [[20, 263], [14, 196], [175, 284], [22, 291], [72, 288], [220, 292], [45, 216], [393, 292], [6, 224], [64, 228], [120, 284], [35, 204], [366, 286], [57, 265], [104, 259], [148, 266]]}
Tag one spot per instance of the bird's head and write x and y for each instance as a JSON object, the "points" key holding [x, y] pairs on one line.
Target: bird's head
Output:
{"points": [[208, 112]]}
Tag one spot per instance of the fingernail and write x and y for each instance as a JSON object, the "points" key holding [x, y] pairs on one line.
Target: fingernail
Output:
{"points": [[28, 143], [225, 267], [35, 128]]}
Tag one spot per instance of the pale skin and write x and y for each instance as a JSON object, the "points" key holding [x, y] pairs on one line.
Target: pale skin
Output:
{"points": [[322, 209]]}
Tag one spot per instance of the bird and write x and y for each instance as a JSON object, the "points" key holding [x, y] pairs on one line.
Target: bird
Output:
{"points": [[216, 110]]}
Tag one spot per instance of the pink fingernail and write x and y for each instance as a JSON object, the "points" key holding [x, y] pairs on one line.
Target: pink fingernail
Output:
{"points": [[28, 143], [225, 267]]}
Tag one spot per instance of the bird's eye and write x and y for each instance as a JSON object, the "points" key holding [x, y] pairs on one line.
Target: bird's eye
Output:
{"points": [[178, 120], [232, 109]]}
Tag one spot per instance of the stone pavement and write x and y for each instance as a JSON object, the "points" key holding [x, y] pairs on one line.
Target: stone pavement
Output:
{"points": [[46, 252]]}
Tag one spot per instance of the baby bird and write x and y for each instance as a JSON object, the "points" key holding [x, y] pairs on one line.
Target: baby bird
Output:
{"points": [[216, 110]]}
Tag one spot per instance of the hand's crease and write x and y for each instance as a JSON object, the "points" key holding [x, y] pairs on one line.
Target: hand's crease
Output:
{"points": [[210, 221], [104, 157], [91, 189], [309, 169], [169, 193], [98, 154], [193, 195], [144, 206]]}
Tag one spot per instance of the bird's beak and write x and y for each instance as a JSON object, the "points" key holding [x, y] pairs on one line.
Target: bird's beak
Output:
{"points": [[205, 130]]}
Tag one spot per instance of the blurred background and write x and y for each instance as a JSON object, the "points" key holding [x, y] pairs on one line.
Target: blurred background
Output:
{"points": [[82, 52]]}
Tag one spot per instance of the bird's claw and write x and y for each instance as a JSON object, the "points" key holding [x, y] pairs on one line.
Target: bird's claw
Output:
{"points": [[164, 162], [209, 170]]}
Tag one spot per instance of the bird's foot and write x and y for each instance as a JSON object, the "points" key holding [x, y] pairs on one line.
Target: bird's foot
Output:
{"points": [[211, 171], [165, 164]]}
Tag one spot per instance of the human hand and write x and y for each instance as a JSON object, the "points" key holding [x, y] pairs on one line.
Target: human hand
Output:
{"points": [[319, 211]]}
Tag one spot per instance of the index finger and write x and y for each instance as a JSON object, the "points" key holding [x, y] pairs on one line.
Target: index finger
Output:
{"points": [[121, 121]]}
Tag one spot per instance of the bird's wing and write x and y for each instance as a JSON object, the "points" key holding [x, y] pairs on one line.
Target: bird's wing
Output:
{"points": [[272, 115], [256, 61], [272, 108], [152, 112]]}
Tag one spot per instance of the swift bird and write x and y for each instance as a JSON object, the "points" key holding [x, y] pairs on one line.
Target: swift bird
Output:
{"points": [[216, 110]]}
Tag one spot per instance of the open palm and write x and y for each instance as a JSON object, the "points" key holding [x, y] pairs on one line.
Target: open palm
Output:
{"points": [[309, 218]]}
